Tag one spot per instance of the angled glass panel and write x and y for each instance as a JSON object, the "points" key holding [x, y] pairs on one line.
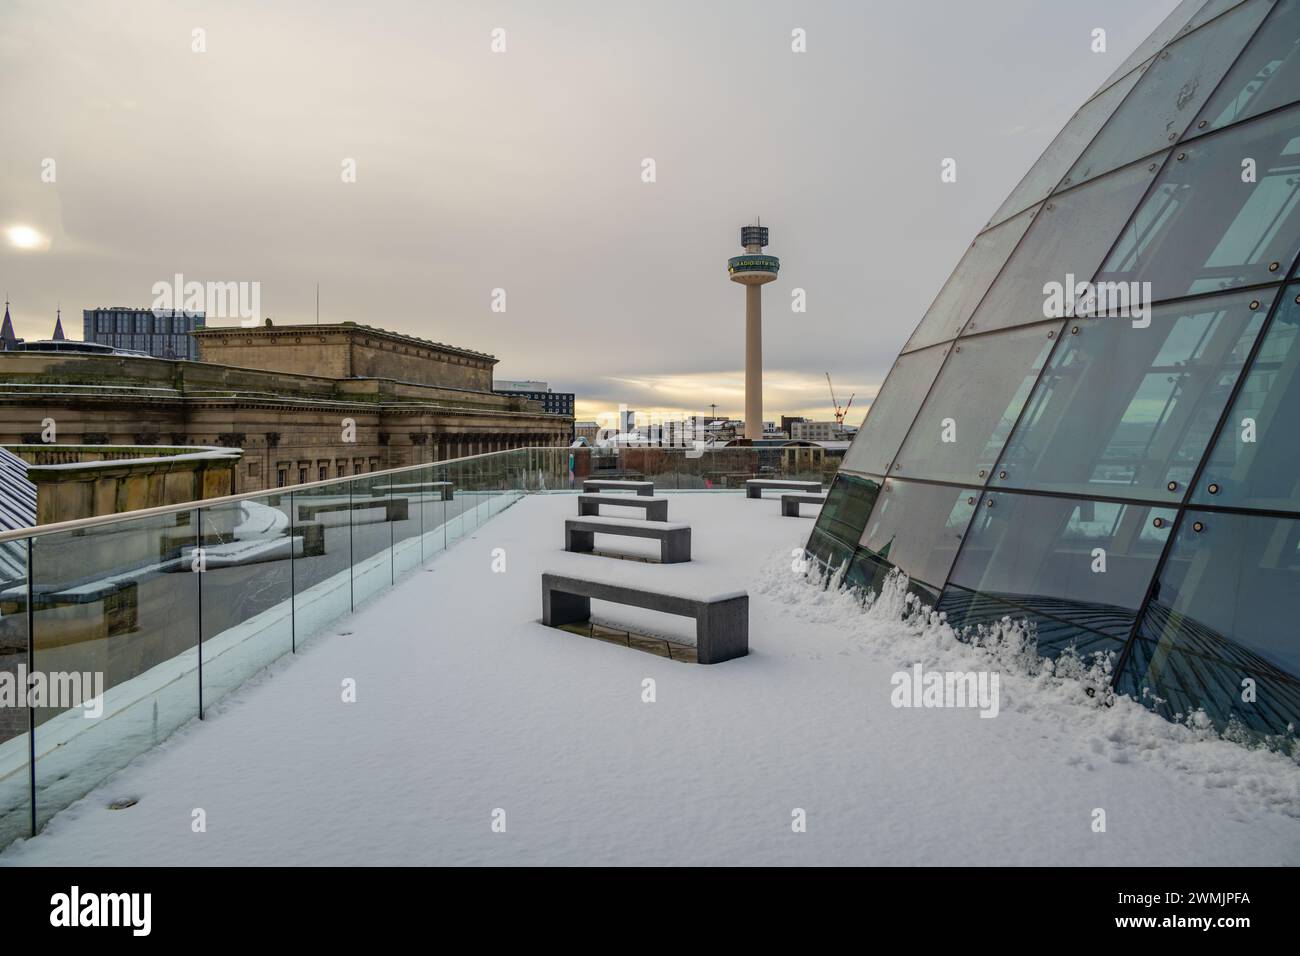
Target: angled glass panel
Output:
{"points": [[15, 745], [1177, 23], [245, 590], [1123, 411], [1224, 611], [969, 281], [974, 404], [916, 528], [1265, 77], [842, 518], [322, 555], [1068, 145], [1256, 458], [1070, 237], [892, 411], [115, 611], [373, 515], [1203, 229], [1041, 559], [1171, 92]]}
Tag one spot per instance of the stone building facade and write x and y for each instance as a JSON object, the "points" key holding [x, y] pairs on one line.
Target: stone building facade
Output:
{"points": [[292, 427], [347, 350]]}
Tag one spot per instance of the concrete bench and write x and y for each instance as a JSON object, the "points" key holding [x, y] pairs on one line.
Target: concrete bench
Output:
{"points": [[721, 620], [656, 509], [755, 487], [610, 484], [674, 539], [790, 503], [444, 487], [395, 509]]}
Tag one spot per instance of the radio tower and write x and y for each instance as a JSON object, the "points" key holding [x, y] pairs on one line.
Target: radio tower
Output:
{"points": [[753, 270]]}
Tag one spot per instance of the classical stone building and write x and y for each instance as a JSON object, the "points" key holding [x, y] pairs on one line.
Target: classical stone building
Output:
{"points": [[304, 403]]}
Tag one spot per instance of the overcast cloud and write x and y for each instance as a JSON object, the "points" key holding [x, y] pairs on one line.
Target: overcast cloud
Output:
{"points": [[522, 170]]}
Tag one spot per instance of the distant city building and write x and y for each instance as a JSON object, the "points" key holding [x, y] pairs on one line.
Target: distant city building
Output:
{"points": [[820, 431], [587, 430], [788, 420], [554, 403], [8, 339], [626, 421], [163, 333]]}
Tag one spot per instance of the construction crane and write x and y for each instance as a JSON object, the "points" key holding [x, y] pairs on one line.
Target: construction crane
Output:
{"points": [[839, 412]]}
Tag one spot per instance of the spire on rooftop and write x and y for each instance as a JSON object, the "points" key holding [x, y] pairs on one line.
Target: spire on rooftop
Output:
{"points": [[58, 335]]}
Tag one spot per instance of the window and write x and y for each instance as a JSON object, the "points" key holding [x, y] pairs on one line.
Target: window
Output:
{"points": [[1170, 92], [969, 281], [969, 413], [1204, 229], [1224, 610], [1052, 166], [1070, 236], [281, 477], [843, 516], [1256, 458], [1266, 76], [1124, 411], [1038, 558], [892, 410], [916, 528]]}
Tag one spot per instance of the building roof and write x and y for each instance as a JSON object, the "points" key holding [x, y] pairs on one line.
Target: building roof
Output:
{"points": [[339, 328]]}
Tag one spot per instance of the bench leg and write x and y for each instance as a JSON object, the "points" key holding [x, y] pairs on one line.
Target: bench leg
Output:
{"points": [[645, 492], [722, 631], [559, 607], [753, 492], [789, 509], [588, 509], [580, 541], [657, 511], [675, 548]]}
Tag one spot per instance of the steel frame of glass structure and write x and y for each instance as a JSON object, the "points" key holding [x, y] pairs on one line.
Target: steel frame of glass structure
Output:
{"points": [[1130, 484]]}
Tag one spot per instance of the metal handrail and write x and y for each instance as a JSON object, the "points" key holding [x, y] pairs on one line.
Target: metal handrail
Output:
{"points": [[37, 531]]}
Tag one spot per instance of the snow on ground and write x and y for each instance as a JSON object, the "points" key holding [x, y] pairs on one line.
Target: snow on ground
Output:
{"points": [[466, 704]]}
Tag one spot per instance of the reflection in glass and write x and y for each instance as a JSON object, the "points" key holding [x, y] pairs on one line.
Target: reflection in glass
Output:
{"points": [[1266, 76], [1173, 88], [1204, 229], [892, 410], [1223, 612], [1077, 569], [1125, 411], [916, 528], [843, 516], [973, 406], [15, 766], [1070, 237], [244, 590], [116, 600]]}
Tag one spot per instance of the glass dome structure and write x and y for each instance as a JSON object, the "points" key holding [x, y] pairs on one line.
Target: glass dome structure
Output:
{"points": [[1128, 480]]}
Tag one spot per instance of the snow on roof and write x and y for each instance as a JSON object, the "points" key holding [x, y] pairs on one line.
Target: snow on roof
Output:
{"points": [[17, 510]]}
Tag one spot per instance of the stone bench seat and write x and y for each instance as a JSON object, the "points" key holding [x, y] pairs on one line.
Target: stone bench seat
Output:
{"points": [[790, 503], [674, 539], [395, 509], [721, 620], [755, 487], [446, 488], [611, 484], [656, 508]]}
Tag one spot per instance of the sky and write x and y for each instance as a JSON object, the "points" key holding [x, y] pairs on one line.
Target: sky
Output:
{"points": [[524, 169]]}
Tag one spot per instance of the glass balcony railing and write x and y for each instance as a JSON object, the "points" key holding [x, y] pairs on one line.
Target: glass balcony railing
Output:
{"points": [[128, 626]]}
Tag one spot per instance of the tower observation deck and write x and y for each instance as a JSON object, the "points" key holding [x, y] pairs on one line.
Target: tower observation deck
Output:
{"points": [[753, 269]]}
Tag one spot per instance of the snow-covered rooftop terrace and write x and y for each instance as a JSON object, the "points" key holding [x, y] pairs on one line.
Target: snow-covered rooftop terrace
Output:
{"points": [[466, 705]]}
